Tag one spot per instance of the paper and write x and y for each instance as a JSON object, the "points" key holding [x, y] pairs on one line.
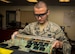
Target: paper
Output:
{"points": [[5, 51]]}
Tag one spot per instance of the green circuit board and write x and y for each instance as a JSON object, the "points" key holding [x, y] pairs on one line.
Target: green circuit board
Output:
{"points": [[31, 43]]}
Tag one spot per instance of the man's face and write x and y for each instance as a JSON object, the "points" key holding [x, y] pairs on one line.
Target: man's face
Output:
{"points": [[41, 14]]}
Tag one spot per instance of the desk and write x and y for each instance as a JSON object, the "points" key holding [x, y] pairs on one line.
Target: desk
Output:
{"points": [[14, 51]]}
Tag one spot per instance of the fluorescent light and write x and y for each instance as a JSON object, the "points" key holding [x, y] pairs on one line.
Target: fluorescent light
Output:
{"points": [[61, 0], [5, 1], [32, 0], [64, 0], [67, 0]]}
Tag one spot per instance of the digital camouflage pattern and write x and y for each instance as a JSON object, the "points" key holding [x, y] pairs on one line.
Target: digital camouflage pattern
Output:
{"points": [[52, 31]]}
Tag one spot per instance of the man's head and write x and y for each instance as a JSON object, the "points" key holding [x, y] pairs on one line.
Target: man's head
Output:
{"points": [[41, 12]]}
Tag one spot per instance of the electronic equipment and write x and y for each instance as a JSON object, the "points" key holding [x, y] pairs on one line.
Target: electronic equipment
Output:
{"points": [[29, 43]]}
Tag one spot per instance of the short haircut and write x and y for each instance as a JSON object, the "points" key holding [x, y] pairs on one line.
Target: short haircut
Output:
{"points": [[40, 4]]}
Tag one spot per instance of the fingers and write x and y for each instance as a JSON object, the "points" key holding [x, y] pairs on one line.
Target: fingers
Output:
{"points": [[53, 46], [57, 44], [61, 44], [14, 34]]}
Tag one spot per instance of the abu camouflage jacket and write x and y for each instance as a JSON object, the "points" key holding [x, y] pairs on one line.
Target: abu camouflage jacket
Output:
{"points": [[52, 30]]}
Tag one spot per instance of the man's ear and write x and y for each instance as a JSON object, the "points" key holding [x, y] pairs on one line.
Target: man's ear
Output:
{"points": [[48, 12]]}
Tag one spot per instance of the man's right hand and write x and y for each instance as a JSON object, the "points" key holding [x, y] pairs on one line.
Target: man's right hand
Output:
{"points": [[14, 34]]}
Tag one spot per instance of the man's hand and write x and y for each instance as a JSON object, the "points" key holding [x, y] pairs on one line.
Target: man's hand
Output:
{"points": [[14, 34], [57, 44]]}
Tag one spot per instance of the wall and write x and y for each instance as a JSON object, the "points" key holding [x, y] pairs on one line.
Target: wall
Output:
{"points": [[64, 16], [57, 15]]}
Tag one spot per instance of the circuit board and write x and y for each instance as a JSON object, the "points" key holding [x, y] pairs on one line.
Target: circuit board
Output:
{"points": [[29, 43]]}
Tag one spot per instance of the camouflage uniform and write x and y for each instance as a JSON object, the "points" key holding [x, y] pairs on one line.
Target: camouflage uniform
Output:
{"points": [[52, 30]]}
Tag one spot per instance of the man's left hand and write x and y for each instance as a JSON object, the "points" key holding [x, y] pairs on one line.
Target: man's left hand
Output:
{"points": [[57, 44]]}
